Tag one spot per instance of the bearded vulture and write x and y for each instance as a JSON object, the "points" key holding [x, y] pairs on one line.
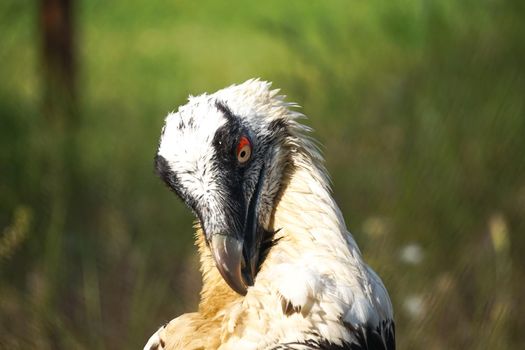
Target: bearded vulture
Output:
{"points": [[279, 268]]}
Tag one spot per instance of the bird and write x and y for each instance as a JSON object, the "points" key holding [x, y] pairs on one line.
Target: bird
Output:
{"points": [[279, 268]]}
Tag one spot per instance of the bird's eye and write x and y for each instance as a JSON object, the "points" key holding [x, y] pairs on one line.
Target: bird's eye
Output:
{"points": [[244, 150]]}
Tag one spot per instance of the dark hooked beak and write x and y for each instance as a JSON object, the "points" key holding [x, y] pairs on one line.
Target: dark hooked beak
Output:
{"points": [[237, 258], [228, 254]]}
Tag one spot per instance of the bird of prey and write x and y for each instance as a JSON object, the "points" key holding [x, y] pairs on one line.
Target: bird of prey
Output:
{"points": [[280, 269]]}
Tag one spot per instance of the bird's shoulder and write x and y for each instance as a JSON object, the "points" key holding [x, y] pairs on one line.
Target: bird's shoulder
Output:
{"points": [[188, 331], [381, 337]]}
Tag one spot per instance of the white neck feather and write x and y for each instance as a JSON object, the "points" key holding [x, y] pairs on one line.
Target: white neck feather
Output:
{"points": [[312, 232], [308, 214]]}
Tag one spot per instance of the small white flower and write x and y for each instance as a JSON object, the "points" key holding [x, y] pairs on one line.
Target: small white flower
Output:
{"points": [[414, 305], [412, 254]]}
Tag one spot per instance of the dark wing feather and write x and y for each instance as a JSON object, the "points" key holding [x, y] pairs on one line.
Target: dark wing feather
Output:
{"points": [[381, 337]]}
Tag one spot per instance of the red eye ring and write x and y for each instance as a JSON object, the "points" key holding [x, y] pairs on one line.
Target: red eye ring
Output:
{"points": [[244, 150]]}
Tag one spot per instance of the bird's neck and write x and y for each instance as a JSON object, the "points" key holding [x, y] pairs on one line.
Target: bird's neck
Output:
{"points": [[306, 215]]}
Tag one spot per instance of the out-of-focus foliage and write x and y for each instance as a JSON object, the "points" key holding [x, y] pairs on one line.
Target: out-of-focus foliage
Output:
{"points": [[420, 106]]}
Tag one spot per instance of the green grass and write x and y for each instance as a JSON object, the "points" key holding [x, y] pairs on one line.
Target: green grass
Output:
{"points": [[420, 110]]}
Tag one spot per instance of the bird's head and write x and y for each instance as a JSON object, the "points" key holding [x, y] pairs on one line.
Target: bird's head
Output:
{"points": [[224, 155]]}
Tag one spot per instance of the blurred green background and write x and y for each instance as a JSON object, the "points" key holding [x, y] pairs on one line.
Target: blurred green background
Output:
{"points": [[419, 106]]}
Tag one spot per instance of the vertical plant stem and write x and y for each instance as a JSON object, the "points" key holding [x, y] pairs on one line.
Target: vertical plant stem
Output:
{"points": [[58, 84]]}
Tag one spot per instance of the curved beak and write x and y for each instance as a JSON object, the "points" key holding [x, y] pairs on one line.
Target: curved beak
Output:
{"points": [[228, 254], [237, 258]]}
